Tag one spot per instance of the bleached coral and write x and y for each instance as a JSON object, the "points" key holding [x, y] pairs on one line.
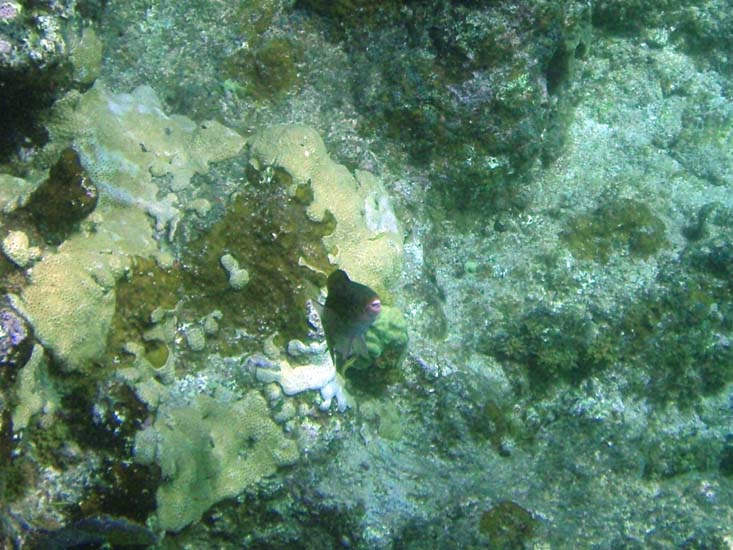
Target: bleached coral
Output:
{"points": [[319, 374], [16, 247]]}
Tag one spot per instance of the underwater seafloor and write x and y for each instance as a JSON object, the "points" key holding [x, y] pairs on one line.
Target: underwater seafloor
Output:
{"points": [[541, 193]]}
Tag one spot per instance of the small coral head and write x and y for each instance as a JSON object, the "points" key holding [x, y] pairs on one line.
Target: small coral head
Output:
{"points": [[9, 10]]}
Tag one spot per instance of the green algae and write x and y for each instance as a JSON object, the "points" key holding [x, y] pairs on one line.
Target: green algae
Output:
{"points": [[616, 227], [507, 525], [675, 337], [270, 234], [670, 338], [146, 287], [495, 423], [352, 13], [64, 199], [157, 354], [268, 71], [554, 346]]}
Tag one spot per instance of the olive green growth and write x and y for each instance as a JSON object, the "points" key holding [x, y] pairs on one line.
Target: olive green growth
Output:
{"points": [[554, 345], [622, 226], [507, 525], [269, 231], [146, 287], [64, 199], [351, 13], [270, 70]]}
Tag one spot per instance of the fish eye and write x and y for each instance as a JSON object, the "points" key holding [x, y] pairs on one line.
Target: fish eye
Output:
{"points": [[375, 305]]}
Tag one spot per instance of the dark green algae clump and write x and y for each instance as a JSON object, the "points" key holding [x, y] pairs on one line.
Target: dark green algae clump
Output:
{"points": [[267, 71], [618, 226], [507, 525]]}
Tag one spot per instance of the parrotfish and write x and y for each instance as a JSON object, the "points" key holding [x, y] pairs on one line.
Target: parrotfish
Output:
{"points": [[350, 310]]}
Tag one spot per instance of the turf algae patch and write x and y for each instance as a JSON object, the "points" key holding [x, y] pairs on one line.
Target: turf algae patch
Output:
{"points": [[146, 287], [270, 234], [270, 70], [507, 525], [616, 227]]}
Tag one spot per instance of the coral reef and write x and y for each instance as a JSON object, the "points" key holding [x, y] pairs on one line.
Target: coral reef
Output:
{"points": [[203, 460], [127, 145], [539, 190], [16, 339], [367, 246]]}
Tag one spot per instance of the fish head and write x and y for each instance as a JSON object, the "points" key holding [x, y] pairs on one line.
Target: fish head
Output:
{"points": [[373, 308]]}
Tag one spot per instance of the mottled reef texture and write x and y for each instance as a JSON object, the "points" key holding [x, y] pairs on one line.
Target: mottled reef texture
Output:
{"points": [[539, 190]]}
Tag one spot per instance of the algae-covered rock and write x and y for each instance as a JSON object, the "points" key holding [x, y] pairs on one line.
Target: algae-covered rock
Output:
{"points": [[267, 71], [507, 525], [209, 451], [617, 226], [366, 241]]}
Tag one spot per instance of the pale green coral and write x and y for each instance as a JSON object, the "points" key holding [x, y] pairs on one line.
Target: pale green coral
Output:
{"points": [[210, 451], [86, 56], [124, 141], [17, 249], [386, 339], [35, 393], [14, 192], [70, 302], [367, 242], [238, 277]]}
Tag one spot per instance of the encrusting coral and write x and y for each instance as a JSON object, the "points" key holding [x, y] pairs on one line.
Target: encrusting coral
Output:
{"points": [[208, 451], [125, 143], [366, 241]]}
